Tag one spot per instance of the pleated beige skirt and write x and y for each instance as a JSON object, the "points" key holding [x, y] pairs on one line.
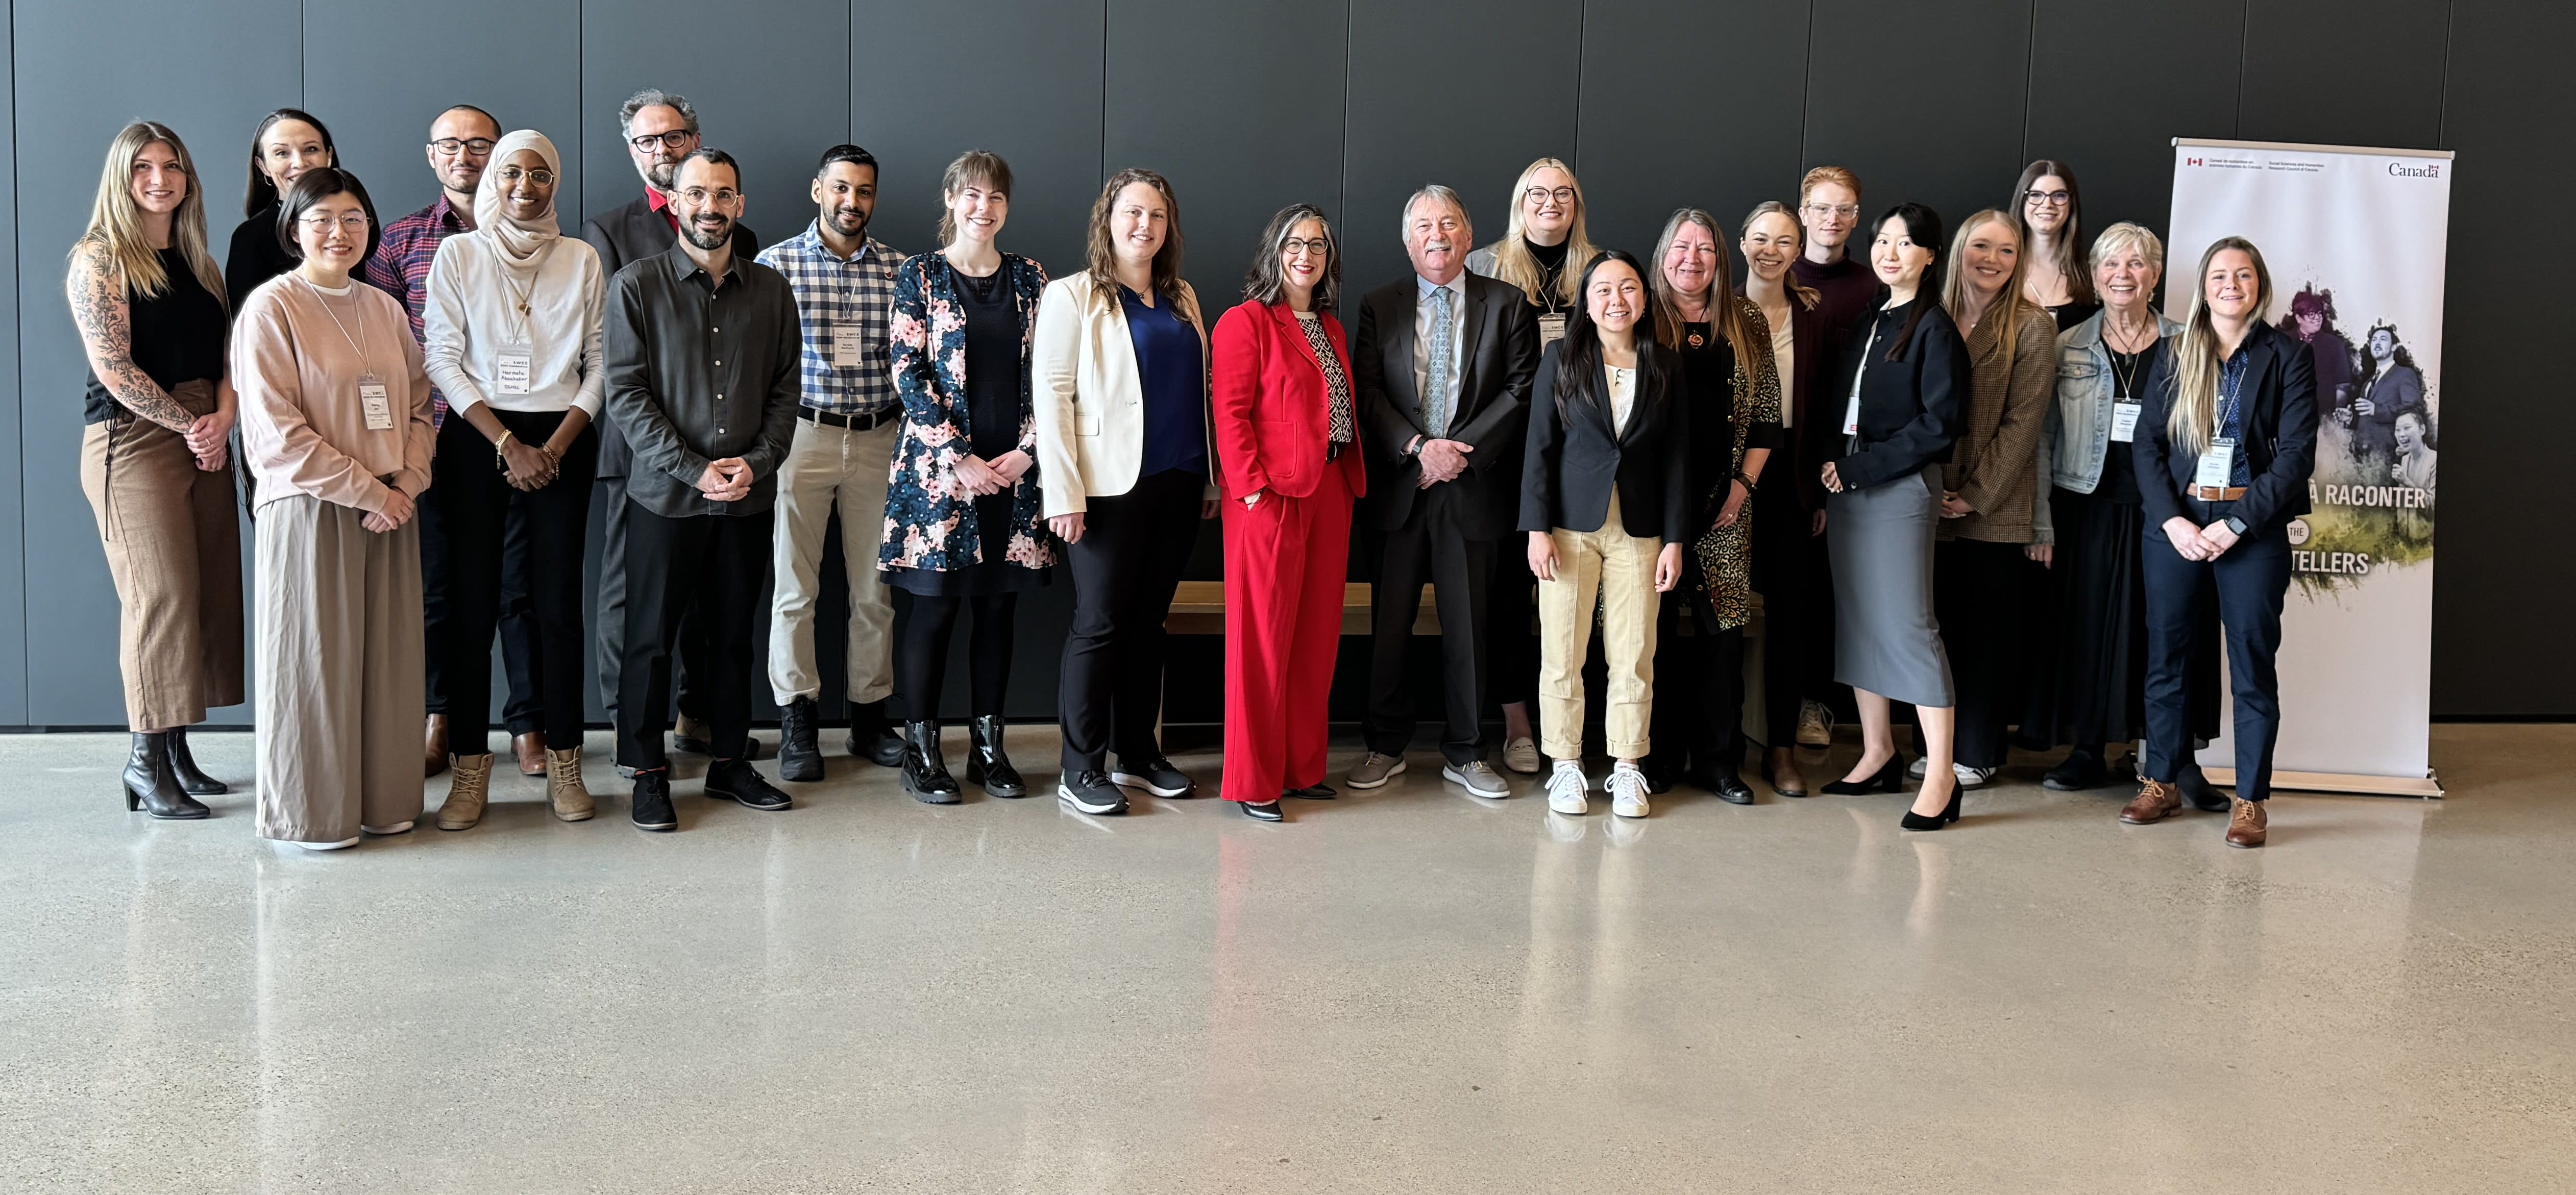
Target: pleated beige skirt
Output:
{"points": [[173, 547], [341, 696]]}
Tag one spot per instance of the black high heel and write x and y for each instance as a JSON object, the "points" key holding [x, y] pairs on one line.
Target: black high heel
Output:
{"points": [[150, 787], [1888, 779], [1949, 813], [183, 765]]}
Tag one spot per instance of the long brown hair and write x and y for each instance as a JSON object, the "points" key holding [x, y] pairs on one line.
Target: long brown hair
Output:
{"points": [[1512, 260], [2196, 359], [1725, 315], [1266, 282], [116, 222], [1807, 296], [1103, 258], [2067, 255]]}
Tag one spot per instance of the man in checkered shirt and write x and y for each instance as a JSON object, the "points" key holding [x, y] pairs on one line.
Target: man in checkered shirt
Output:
{"points": [[845, 433]]}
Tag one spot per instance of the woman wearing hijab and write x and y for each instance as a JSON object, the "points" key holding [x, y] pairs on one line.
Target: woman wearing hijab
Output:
{"points": [[512, 325]]}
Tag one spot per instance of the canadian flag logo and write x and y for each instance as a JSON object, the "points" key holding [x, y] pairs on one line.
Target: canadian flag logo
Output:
{"points": [[2191, 161]]}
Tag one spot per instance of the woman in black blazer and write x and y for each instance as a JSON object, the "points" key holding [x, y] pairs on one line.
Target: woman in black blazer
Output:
{"points": [[1604, 500], [2227, 436], [1902, 381]]}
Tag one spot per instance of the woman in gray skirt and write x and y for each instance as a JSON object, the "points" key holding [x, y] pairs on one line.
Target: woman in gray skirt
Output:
{"points": [[1902, 378]]}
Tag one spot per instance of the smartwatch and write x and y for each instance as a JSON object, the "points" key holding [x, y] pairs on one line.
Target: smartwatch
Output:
{"points": [[2235, 524]]}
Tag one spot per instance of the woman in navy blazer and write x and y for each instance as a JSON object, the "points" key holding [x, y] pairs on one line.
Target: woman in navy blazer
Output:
{"points": [[1289, 467], [2227, 436]]}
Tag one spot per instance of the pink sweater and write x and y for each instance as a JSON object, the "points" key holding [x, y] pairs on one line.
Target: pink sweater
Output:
{"points": [[304, 428]]}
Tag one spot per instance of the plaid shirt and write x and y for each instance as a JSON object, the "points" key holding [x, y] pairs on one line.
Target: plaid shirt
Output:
{"points": [[832, 293], [401, 268]]}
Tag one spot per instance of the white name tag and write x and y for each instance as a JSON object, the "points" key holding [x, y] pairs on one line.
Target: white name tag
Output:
{"points": [[845, 347], [2124, 422], [2216, 463], [510, 370], [1851, 415], [377, 402], [1551, 328]]}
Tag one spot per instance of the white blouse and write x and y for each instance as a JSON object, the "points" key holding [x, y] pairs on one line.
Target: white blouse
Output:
{"points": [[1623, 396], [481, 348]]}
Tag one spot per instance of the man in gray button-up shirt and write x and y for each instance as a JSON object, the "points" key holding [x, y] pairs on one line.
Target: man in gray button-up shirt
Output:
{"points": [[703, 379]]}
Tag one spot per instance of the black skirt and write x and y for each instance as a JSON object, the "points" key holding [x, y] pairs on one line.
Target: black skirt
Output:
{"points": [[2093, 684]]}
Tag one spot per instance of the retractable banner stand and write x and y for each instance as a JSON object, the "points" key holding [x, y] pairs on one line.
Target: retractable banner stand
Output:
{"points": [[2354, 239]]}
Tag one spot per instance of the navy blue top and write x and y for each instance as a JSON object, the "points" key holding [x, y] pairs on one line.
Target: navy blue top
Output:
{"points": [[2231, 418], [1169, 369]]}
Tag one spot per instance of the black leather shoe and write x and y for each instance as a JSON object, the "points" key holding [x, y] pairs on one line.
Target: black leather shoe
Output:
{"points": [[736, 780], [799, 760], [1949, 813], [872, 736], [150, 787], [1091, 792], [1659, 775], [651, 803], [1155, 775], [2195, 788], [184, 766], [986, 763], [925, 771], [1730, 787], [2082, 770], [1312, 792], [1263, 811], [1889, 779]]}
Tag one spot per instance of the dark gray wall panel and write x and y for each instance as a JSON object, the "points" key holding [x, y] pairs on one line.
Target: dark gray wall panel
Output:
{"points": [[1270, 135], [2120, 140], [2500, 647], [1687, 105], [72, 96], [1036, 101], [1923, 101], [2345, 72], [13, 558], [1455, 92], [379, 105], [775, 95]]}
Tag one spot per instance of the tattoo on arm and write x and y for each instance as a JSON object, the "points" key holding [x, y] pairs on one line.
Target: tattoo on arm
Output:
{"points": [[99, 310]]}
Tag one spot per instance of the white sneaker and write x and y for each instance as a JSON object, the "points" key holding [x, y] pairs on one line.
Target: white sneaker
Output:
{"points": [[1627, 788], [1915, 769], [396, 828], [341, 845], [1478, 778], [1971, 777], [1565, 789]]}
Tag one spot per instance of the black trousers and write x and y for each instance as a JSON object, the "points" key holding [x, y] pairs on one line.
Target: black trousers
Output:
{"points": [[1125, 570], [611, 656], [2252, 579], [1698, 719], [1511, 648], [524, 710], [1797, 588], [1978, 592], [477, 508], [709, 570], [1429, 547], [921, 651]]}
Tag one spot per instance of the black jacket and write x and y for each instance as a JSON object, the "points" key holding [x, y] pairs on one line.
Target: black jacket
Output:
{"points": [[1499, 357], [2278, 415], [622, 236], [1909, 407], [1573, 460]]}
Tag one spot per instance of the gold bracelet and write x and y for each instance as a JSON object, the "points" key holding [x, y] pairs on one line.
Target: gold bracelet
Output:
{"points": [[500, 459]]}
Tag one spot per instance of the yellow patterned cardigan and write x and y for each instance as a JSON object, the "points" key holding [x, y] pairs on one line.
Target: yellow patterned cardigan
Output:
{"points": [[1725, 554]]}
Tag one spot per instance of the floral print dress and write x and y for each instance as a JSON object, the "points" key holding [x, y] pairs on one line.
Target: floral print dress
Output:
{"points": [[931, 526]]}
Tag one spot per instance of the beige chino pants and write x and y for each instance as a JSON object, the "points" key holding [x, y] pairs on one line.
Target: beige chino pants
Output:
{"points": [[828, 465], [1620, 568]]}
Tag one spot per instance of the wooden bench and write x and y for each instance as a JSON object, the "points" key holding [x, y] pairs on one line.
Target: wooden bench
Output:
{"points": [[1198, 608]]}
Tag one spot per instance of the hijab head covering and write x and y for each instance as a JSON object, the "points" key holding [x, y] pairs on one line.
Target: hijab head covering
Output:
{"points": [[523, 243]]}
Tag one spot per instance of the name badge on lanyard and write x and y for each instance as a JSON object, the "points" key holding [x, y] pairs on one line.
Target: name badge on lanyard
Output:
{"points": [[2124, 422], [2217, 463], [1851, 414], [377, 401], [1551, 328], [511, 367], [845, 347]]}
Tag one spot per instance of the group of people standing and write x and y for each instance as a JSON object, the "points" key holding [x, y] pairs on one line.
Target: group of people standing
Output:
{"points": [[1905, 460]]}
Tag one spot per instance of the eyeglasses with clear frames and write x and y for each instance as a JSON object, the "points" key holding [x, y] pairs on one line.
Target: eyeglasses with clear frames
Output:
{"points": [[2051, 198], [701, 197], [670, 140], [1562, 195], [540, 176], [355, 223], [1836, 211], [477, 146]]}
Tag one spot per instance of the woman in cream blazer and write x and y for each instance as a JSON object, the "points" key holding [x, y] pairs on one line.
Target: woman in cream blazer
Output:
{"points": [[1123, 457]]}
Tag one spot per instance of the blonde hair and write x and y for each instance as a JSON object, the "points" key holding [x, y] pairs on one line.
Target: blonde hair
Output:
{"points": [[1512, 260], [2008, 303], [116, 221], [975, 167], [2196, 359], [1725, 315], [1807, 296], [1829, 174], [2125, 236]]}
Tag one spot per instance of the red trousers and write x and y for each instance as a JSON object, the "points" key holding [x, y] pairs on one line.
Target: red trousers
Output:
{"points": [[1284, 564]]}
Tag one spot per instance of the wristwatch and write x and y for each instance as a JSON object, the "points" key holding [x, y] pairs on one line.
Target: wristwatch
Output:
{"points": [[2236, 525]]}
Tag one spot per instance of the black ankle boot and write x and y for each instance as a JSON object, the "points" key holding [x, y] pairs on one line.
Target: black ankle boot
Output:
{"points": [[925, 771], [184, 766], [872, 736], [799, 758], [987, 764], [150, 787]]}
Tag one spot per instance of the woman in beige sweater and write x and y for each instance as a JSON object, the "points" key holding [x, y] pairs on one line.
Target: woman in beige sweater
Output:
{"points": [[336, 429]]}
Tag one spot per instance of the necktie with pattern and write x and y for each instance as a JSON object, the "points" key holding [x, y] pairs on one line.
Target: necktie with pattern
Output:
{"points": [[1435, 396]]}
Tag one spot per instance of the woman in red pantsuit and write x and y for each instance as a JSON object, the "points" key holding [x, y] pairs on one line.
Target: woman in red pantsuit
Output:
{"points": [[1288, 463]]}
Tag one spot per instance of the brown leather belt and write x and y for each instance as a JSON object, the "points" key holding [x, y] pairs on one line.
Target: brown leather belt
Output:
{"points": [[2211, 493]]}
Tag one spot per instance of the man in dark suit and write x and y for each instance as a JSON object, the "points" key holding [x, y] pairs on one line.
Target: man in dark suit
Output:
{"points": [[1442, 361], [660, 130]]}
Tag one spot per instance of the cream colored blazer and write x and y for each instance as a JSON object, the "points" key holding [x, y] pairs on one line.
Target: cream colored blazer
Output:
{"points": [[1090, 403]]}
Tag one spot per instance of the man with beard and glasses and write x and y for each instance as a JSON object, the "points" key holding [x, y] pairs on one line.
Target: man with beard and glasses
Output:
{"points": [[844, 443], [703, 363], [660, 130]]}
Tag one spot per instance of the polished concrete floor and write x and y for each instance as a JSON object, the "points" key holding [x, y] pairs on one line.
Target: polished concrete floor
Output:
{"points": [[1402, 991]]}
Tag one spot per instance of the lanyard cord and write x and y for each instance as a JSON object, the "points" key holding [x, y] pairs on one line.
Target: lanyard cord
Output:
{"points": [[358, 343]]}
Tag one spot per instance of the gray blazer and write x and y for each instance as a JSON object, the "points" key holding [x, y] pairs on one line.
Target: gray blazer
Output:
{"points": [[627, 234]]}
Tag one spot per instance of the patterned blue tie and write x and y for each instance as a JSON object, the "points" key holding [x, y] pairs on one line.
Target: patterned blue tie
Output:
{"points": [[1435, 398]]}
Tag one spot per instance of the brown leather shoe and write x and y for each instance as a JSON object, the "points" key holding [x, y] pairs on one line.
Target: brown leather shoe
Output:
{"points": [[2247, 825], [2155, 802], [531, 750], [434, 747], [1780, 767]]}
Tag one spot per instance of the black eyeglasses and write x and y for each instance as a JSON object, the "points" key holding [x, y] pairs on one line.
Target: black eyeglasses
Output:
{"points": [[670, 140], [2051, 198], [1563, 195], [1317, 246], [477, 146]]}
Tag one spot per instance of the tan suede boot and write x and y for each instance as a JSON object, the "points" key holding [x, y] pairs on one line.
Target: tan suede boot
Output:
{"points": [[564, 789], [467, 791]]}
